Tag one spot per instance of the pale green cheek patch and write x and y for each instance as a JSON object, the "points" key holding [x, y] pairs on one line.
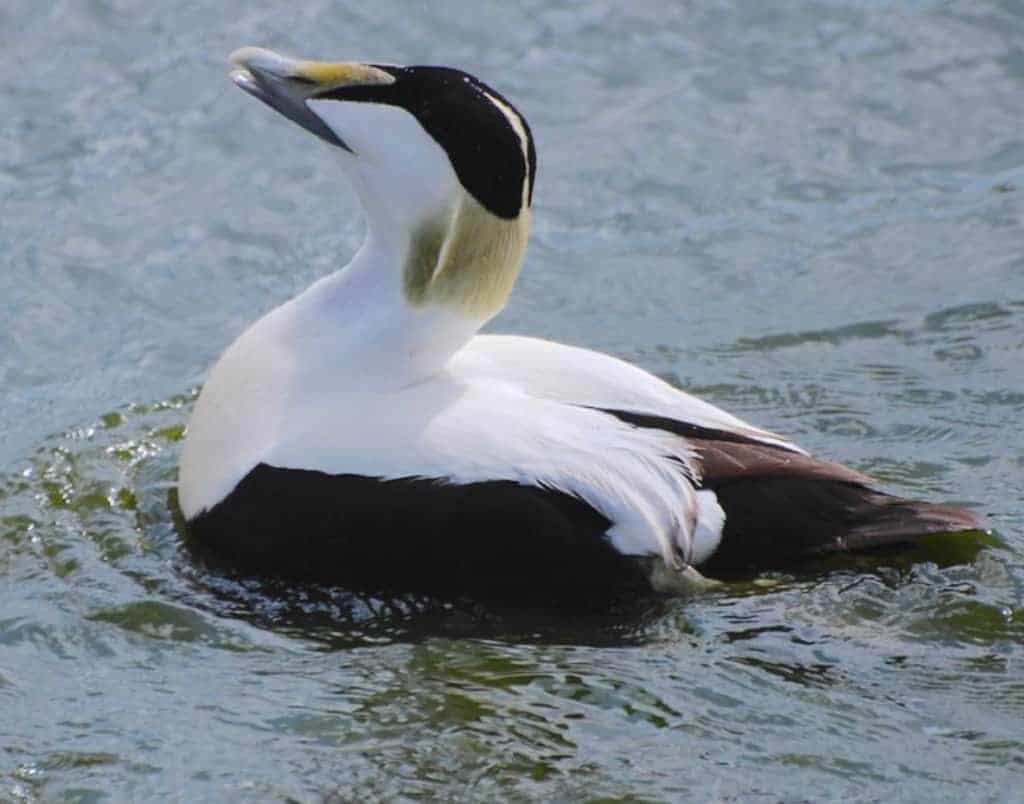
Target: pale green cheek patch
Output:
{"points": [[467, 260]]}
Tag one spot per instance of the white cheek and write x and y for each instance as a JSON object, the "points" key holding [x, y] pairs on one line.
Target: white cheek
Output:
{"points": [[398, 162]]}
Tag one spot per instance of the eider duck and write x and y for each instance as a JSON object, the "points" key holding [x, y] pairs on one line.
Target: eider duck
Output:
{"points": [[364, 434]]}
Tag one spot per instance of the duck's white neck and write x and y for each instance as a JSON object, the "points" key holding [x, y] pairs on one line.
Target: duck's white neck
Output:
{"points": [[435, 267], [359, 321]]}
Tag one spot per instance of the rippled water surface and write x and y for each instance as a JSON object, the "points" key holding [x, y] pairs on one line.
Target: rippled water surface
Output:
{"points": [[809, 213]]}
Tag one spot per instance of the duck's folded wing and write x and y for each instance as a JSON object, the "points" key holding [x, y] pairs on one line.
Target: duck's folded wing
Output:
{"points": [[779, 502]]}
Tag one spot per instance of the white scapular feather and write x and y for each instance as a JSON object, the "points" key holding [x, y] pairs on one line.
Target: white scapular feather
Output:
{"points": [[463, 430], [585, 377]]}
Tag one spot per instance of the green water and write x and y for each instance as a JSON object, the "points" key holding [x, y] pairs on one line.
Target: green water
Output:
{"points": [[809, 213]]}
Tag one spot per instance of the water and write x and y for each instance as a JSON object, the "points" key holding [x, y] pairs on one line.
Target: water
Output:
{"points": [[810, 214]]}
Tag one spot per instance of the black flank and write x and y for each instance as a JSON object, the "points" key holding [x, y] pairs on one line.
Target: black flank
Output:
{"points": [[494, 540]]}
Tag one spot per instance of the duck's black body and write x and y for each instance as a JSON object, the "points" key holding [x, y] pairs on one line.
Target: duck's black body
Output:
{"points": [[496, 540], [506, 541]]}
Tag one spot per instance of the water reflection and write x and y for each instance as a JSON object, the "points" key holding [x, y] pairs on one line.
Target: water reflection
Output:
{"points": [[513, 694]]}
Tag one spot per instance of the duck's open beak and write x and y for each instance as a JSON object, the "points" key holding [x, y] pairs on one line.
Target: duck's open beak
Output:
{"points": [[286, 84]]}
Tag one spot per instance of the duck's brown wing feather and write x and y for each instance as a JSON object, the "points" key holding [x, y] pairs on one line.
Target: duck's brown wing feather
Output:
{"points": [[781, 505]]}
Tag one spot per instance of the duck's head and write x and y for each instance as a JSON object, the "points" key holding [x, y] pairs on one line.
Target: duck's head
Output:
{"points": [[443, 165]]}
